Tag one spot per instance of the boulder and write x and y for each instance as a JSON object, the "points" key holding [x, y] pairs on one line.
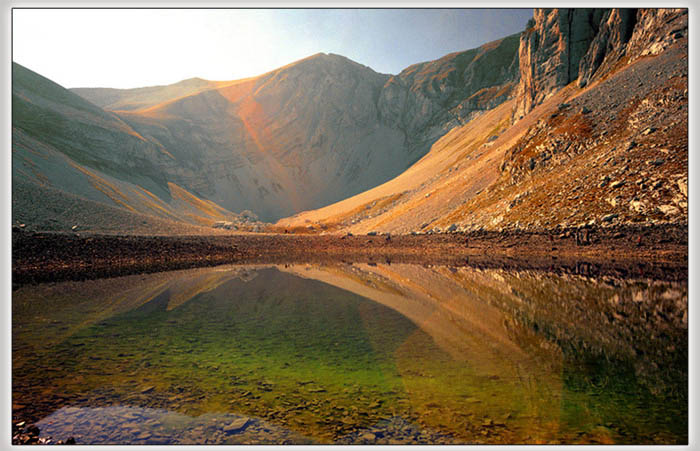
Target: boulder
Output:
{"points": [[638, 206], [617, 184]]}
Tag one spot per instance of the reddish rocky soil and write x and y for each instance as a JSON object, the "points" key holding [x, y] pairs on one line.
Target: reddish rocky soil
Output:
{"points": [[659, 252]]}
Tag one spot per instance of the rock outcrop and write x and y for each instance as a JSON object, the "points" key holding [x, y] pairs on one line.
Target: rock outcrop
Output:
{"points": [[655, 30], [616, 27], [550, 51], [633, 34], [561, 46]]}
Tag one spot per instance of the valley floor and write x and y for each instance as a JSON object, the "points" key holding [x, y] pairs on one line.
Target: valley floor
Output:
{"points": [[660, 251]]}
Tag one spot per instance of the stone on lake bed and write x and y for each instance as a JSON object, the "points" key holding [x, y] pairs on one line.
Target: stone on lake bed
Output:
{"points": [[236, 425]]}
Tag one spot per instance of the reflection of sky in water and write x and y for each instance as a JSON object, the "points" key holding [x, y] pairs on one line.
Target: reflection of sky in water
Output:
{"points": [[354, 354]]}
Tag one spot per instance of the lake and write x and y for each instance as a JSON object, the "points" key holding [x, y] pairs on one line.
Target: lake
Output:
{"points": [[353, 354]]}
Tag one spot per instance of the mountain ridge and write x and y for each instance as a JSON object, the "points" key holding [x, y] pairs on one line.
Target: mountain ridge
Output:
{"points": [[288, 128], [478, 131]]}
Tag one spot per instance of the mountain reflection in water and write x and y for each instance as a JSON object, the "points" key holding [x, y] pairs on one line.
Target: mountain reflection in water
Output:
{"points": [[353, 354]]}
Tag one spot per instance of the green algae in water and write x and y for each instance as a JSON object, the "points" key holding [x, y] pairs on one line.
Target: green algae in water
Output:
{"points": [[399, 355]]}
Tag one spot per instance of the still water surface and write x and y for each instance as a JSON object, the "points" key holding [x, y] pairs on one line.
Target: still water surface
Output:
{"points": [[353, 354]]}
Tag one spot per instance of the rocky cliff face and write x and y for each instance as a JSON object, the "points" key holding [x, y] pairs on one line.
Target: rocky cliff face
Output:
{"points": [[615, 28], [565, 45], [550, 50]]}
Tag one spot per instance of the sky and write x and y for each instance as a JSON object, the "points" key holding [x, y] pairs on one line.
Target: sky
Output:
{"points": [[128, 48]]}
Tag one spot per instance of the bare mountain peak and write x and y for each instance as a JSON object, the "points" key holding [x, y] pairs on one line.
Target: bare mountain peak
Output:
{"points": [[326, 60]]}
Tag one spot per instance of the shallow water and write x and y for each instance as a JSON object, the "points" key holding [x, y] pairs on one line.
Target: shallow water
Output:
{"points": [[353, 354]]}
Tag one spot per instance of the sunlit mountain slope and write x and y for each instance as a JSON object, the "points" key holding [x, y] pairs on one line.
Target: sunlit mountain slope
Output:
{"points": [[610, 149]]}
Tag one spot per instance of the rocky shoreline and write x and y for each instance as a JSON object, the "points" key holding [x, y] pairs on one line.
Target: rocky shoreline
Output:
{"points": [[657, 251]]}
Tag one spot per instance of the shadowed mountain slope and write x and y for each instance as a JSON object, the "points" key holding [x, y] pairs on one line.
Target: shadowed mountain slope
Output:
{"points": [[69, 152]]}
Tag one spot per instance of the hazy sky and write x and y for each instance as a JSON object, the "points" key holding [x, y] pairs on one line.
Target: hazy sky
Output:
{"points": [[126, 48]]}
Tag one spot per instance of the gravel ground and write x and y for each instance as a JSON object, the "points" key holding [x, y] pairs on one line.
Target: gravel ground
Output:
{"points": [[661, 251]]}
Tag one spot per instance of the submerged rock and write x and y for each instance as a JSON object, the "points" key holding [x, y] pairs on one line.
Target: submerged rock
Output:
{"points": [[236, 425]]}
